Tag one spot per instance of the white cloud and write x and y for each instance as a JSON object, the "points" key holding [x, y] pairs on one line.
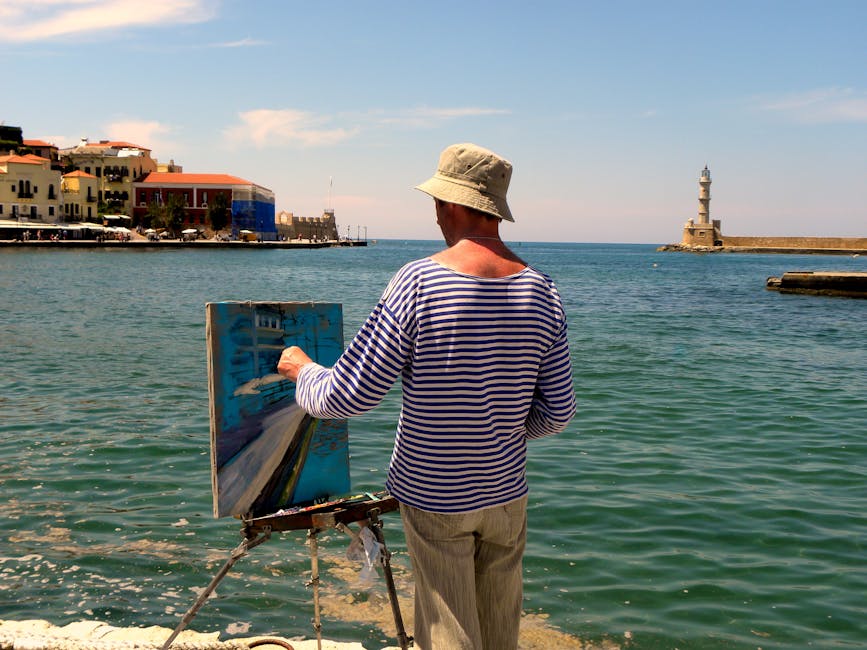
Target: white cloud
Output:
{"points": [[36, 20], [270, 128], [244, 42], [145, 133], [821, 105], [426, 116]]}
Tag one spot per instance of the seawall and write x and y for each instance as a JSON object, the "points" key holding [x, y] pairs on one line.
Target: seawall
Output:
{"points": [[798, 245], [815, 243]]}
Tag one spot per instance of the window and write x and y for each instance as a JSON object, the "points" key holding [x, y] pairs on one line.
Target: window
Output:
{"points": [[50, 210]]}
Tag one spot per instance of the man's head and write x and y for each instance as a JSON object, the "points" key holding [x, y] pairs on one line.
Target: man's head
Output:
{"points": [[474, 177]]}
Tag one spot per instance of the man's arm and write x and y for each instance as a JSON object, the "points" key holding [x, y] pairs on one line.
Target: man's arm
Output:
{"points": [[554, 398]]}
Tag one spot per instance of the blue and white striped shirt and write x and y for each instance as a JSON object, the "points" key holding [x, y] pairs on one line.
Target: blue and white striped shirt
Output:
{"points": [[485, 366]]}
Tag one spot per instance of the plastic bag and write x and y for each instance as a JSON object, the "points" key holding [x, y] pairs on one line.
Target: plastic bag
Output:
{"points": [[365, 549]]}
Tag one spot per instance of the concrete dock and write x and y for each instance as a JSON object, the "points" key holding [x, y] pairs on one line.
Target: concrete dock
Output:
{"points": [[852, 284]]}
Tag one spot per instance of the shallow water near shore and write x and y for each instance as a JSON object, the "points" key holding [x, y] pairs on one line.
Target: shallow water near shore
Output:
{"points": [[709, 494]]}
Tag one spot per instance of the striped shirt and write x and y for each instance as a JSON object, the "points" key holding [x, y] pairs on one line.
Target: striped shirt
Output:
{"points": [[484, 364]]}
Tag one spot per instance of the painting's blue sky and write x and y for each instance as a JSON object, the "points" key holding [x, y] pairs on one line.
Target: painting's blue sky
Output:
{"points": [[608, 110]]}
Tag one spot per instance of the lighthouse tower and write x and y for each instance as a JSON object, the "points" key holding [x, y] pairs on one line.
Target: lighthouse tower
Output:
{"points": [[704, 197], [704, 233]]}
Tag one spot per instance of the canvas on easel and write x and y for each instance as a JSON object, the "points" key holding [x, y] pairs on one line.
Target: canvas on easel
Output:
{"points": [[266, 452]]}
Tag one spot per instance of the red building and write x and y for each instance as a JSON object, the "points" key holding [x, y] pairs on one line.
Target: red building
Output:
{"points": [[195, 190]]}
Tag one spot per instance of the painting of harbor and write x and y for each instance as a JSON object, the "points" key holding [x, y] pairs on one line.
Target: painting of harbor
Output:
{"points": [[266, 452]]}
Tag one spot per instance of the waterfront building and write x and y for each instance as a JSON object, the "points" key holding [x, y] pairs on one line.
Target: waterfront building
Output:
{"points": [[170, 166], [79, 192], [43, 150], [251, 205], [116, 165], [29, 189]]}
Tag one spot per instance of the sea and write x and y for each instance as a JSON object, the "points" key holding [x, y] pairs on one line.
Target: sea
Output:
{"points": [[711, 492]]}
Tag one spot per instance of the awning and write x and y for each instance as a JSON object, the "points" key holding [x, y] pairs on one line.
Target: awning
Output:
{"points": [[30, 225]]}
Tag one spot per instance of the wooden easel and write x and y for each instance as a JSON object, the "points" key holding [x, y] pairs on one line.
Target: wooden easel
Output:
{"points": [[334, 514]]}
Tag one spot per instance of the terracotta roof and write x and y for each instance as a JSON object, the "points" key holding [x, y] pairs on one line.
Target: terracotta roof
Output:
{"points": [[116, 144], [29, 159], [38, 143], [78, 174], [194, 179]]}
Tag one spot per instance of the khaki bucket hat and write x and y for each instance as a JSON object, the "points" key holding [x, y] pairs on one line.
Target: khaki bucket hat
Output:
{"points": [[473, 176]]}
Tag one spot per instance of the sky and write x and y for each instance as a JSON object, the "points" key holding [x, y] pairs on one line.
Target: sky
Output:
{"points": [[607, 110]]}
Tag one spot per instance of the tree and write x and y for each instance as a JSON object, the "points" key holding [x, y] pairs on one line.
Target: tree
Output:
{"points": [[154, 216], [169, 215], [219, 215], [176, 213]]}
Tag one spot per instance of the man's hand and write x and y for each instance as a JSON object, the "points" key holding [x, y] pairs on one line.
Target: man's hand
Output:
{"points": [[291, 362]]}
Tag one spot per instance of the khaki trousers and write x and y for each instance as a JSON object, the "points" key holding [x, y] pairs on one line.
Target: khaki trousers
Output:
{"points": [[468, 576]]}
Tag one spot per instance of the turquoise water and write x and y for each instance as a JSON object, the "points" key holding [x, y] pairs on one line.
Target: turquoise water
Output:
{"points": [[711, 492]]}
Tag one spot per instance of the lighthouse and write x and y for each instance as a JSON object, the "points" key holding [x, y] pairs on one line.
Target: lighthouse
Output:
{"points": [[704, 197], [703, 233]]}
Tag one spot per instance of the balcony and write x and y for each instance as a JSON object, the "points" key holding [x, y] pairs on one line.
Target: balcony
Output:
{"points": [[25, 195]]}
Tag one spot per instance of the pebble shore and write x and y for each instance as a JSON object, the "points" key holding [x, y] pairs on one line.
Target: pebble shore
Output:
{"points": [[39, 634]]}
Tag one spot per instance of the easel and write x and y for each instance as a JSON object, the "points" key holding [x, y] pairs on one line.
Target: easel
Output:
{"points": [[334, 514]]}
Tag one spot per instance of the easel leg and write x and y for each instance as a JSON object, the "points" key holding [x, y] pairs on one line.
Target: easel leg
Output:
{"points": [[239, 552], [314, 580], [385, 558]]}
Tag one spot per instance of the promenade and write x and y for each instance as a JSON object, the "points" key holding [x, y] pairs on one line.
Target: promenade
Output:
{"points": [[178, 243]]}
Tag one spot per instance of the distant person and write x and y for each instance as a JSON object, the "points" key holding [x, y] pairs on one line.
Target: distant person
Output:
{"points": [[479, 341]]}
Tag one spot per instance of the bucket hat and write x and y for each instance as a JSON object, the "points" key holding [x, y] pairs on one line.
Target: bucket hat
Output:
{"points": [[473, 176]]}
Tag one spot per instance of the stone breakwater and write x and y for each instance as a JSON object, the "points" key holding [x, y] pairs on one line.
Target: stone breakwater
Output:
{"points": [[798, 245]]}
